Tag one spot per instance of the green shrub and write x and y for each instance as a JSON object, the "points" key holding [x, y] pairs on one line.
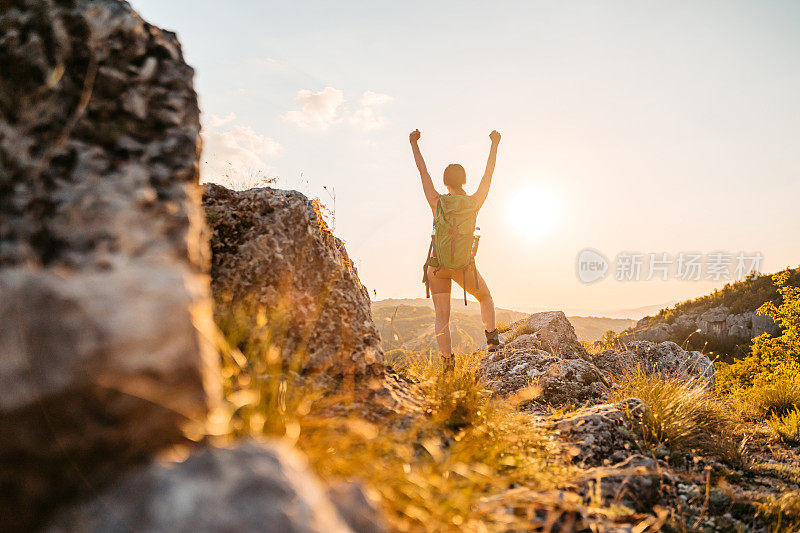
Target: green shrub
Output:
{"points": [[771, 358], [766, 383]]}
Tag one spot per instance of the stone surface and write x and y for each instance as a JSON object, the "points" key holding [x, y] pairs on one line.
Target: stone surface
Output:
{"points": [[558, 381], [549, 331], [273, 254], [636, 482], [666, 358], [354, 507], [105, 310], [602, 433], [250, 487]]}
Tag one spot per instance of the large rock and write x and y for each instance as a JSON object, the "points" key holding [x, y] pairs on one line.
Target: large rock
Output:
{"points": [[602, 433], [666, 358], [353, 506], [657, 333], [273, 256], [714, 322], [105, 310], [250, 487], [549, 331], [555, 380]]}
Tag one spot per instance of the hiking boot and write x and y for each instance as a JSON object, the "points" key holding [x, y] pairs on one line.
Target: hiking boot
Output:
{"points": [[449, 363], [493, 343]]}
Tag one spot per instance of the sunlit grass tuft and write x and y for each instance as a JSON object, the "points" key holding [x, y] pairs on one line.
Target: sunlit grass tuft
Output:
{"points": [[681, 413], [782, 512], [778, 398], [787, 426], [469, 462]]}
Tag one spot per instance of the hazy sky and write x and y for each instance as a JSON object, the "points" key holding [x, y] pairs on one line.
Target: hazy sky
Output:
{"points": [[627, 127]]}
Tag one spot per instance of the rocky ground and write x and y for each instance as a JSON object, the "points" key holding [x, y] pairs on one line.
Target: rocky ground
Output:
{"points": [[123, 406], [696, 490]]}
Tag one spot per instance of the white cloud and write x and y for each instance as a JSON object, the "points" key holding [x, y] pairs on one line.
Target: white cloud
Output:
{"points": [[320, 109], [236, 151], [215, 121], [370, 98], [367, 116], [254, 142]]}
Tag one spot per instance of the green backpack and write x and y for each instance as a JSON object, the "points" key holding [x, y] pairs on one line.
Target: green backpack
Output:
{"points": [[453, 241]]}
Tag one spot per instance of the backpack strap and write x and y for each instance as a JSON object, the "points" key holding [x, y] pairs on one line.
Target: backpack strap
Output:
{"points": [[464, 285], [425, 279]]}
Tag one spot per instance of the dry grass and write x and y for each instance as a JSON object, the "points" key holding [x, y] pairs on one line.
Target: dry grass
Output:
{"points": [[469, 463], [776, 399], [782, 512], [787, 426], [682, 414]]}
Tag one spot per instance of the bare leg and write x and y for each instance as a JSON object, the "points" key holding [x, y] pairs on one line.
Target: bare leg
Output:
{"points": [[441, 305], [487, 312], [484, 297]]}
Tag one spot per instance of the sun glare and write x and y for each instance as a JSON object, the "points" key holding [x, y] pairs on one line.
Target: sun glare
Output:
{"points": [[534, 212]]}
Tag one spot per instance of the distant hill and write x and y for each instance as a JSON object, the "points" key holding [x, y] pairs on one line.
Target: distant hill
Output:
{"points": [[411, 326], [722, 322], [456, 304], [408, 323], [739, 297], [591, 328]]}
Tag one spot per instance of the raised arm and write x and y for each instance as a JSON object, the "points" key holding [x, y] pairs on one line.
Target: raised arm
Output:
{"points": [[427, 183], [483, 189]]}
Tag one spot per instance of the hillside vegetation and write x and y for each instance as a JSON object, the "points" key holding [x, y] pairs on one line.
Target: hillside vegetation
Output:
{"points": [[740, 297], [721, 323]]}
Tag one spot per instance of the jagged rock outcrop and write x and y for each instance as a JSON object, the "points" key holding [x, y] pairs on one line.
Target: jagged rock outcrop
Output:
{"points": [[543, 354], [717, 323], [549, 331], [102, 260], [667, 358], [552, 380], [273, 254], [249, 487], [602, 434]]}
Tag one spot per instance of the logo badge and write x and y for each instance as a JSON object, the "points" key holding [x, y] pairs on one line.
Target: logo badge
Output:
{"points": [[592, 266]]}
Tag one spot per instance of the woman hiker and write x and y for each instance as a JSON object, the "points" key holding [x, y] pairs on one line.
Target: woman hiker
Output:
{"points": [[454, 242]]}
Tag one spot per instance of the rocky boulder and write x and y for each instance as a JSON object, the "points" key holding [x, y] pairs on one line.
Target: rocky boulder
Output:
{"points": [[549, 331], [353, 506], [552, 380], [657, 333], [250, 487], [602, 434], [105, 308], [273, 256], [666, 358]]}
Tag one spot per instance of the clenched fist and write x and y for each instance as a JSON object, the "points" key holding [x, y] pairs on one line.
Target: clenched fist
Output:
{"points": [[495, 137], [414, 136]]}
